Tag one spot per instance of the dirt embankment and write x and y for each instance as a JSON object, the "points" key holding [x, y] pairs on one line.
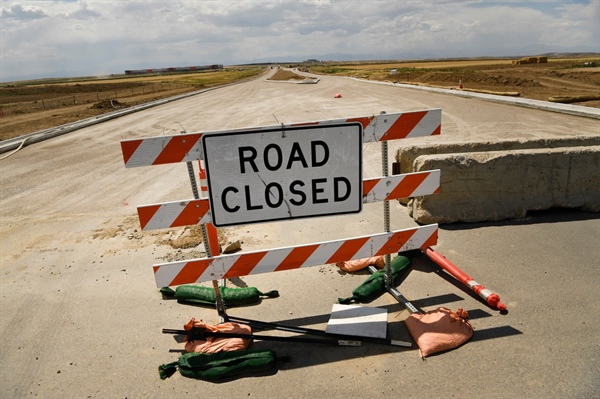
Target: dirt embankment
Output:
{"points": [[32, 106], [561, 78], [538, 82], [27, 107], [284, 74]]}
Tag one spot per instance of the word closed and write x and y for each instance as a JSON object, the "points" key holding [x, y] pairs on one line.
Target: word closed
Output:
{"points": [[283, 173]]}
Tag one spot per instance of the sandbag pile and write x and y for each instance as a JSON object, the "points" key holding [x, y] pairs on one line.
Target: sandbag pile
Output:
{"points": [[222, 365], [374, 286]]}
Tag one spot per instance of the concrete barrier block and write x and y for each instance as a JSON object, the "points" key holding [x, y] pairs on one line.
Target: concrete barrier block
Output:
{"points": [[406, 156], [497, 185]]}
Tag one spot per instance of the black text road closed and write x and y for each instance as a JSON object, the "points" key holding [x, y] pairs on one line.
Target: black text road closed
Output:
{"points": [[281, 174]]}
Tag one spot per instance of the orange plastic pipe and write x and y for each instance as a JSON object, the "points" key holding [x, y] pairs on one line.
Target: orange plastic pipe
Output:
{"points": [[491, 298]]}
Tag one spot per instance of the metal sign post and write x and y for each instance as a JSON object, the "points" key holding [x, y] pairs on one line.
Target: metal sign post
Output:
{"points": [[389, 278], [386, 215], [220, 305]]}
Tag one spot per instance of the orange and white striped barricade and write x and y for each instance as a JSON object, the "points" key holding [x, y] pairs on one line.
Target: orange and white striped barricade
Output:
{"points": [[189, 147], [182, 148], [289, 258], [188, 212]]}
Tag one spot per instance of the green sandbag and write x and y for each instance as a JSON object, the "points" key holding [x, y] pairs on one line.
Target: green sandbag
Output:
{"points": [[202, 295], [217, 366], [375, 284]]}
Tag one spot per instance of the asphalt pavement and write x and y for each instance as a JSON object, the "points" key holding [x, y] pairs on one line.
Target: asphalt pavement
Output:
{"points": [[80, 315]]}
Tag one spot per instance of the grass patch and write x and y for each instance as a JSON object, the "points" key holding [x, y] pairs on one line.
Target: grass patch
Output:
{"points": [[218, 78], [587, 64]]}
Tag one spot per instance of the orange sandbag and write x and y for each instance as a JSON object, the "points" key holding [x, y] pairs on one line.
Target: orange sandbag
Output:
{"points": [[359, 264], [217, 344], [439, 330]]}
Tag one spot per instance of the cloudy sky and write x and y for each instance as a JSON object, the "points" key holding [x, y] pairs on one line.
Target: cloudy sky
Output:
{"points": [[48, 38]]}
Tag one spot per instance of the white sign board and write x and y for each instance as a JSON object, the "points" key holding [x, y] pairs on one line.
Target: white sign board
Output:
{"points": [[283, 173]]}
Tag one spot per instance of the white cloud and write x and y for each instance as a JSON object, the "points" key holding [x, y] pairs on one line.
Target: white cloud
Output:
{"points": [[82, 12], [49, 38], [17, 11]]}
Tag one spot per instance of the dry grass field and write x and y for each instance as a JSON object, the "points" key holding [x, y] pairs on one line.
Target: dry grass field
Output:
{"points": [[30, 106], [572, 80], [35, 105]]}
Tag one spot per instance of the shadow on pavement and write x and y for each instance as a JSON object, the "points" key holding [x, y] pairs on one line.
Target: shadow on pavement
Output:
{"points": [[553, 215]]}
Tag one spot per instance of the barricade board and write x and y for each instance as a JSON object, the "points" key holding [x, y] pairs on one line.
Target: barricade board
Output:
{"points": [[183, 148], [188, 212], [289, 258]]}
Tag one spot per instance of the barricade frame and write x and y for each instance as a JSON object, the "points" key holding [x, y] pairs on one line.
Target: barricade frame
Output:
{"points": [[376, 128]]}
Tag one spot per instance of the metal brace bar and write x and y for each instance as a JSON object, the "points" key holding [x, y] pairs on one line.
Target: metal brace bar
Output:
{"points": [[386, 213], [398, 295], [389, 278]]}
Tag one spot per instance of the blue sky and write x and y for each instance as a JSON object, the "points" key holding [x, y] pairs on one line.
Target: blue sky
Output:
{"points": [[48, 38]]}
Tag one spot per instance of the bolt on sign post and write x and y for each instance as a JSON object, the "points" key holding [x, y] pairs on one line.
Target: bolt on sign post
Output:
{"points": [[286, 172], [211, 231]]}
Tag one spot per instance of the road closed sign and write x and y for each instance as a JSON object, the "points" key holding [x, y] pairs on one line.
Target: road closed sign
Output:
{"points": [[283, 173]]}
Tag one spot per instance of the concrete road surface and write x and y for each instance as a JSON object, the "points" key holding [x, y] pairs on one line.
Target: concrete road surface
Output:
{"points": [[80, 315]]}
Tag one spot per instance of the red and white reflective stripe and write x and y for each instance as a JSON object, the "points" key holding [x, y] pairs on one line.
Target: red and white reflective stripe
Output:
{"points": [[236, 265], [188, 147], [189, 212], [479, 289], [401, 186], [394, 126], [174, 214], [162, 150], [203, 182]]}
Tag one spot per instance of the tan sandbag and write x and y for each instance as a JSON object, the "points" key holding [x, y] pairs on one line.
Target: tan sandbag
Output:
{"points": [[359, 264], [439, 330], [217, 344]]}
